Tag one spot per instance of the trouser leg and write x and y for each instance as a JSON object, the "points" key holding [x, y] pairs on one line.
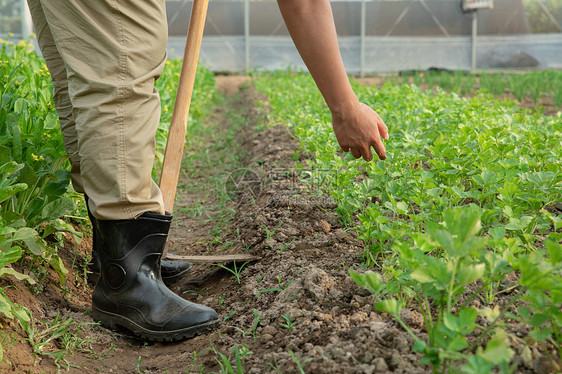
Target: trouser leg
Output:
{"points": [[57, 69], [113, 52]]}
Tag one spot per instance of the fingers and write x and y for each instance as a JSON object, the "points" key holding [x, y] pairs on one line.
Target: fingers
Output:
{"points": [[355, 152], [380, 149], [383, 130]]}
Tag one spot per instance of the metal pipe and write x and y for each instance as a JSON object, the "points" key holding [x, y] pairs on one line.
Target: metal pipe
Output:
{"points": [[474, 38], [247, 36], [26, 23], [362, 50]]}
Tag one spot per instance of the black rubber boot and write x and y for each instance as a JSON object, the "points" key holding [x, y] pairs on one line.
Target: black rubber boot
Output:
{"points": [[130, 292], [171, 271]]}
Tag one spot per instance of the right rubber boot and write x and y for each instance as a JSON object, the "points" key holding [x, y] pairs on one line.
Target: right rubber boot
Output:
{"points": [[171, 271], [130, 292]]}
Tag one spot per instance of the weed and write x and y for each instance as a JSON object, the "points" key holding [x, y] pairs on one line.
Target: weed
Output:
{"points": [[230, 314], [240, 352], [297, 360], [59, 338], [235, 271], [280, 288], [288, 323], [138, 364], [269, 233], [285, 246]]}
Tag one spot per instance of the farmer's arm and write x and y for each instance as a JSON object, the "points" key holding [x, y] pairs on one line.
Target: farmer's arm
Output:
{"points": [[311, 25]]}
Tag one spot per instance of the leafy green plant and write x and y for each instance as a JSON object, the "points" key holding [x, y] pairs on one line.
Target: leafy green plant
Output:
{"points": [[463, 202], [235, 271], [240, 352], [288, 324], [280, 288], [58, 339], [299, 361]]}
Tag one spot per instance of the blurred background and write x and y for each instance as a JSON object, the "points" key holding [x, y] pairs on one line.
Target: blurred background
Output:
{"points": [[376, 36]]}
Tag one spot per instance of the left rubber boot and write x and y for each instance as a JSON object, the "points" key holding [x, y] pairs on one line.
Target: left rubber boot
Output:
{"points": [[171, 271]]}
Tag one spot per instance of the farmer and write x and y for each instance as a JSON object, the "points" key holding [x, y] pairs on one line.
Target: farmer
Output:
{"points": [[103, 57]]}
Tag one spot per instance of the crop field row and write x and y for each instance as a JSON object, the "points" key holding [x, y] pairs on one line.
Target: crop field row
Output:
{"points": [[459, 217]]}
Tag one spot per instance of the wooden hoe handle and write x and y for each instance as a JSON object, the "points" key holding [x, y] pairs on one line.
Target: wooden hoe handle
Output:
{"points": [[178, 126]]}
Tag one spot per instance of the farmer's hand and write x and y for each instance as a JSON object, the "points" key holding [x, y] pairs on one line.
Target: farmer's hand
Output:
{"points": [[362, 129]]}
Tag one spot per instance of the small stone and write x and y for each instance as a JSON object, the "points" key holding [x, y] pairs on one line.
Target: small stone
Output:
{"points": [[380, 365], [266, 338], [358, 317], [325, 226], [269, 330], [377, 326]]}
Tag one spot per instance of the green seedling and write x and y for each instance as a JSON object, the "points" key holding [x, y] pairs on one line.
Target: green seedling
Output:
{"points": [[269, 233], [288, 324], [62, 334], [279, 289], [285, 246], [299, 361], [235, 271], [240, 351], [230, 314]]}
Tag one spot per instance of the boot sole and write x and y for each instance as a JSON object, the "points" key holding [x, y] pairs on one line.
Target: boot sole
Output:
{"points": [[112, 321]]}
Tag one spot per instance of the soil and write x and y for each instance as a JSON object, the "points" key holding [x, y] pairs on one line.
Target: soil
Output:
{"points": [[297, 306]]}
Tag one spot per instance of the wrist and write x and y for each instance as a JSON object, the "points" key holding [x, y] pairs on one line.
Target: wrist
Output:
{"points": [[344, 111]]}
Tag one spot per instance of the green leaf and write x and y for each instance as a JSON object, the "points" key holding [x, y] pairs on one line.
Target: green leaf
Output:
{"points": [[541, 334], [477, 365], [554, 251], [450, 322], [57, 264], [16, 138], [538, 319], [9, 167], [10, 255], [51, 121], [6, 271], [358, 278], [458, 343], [497, 351], [5, 307], [5, 154], [524, 312], [11, 190], [497, 233], [28, 175], [419, 346], [57, 209], [31, 239], [470, 274], [422, 276], [467, 319], [390, 306]]}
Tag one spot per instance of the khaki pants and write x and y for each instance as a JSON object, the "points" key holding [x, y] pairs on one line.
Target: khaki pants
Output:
{"points": [[104, 57]]}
